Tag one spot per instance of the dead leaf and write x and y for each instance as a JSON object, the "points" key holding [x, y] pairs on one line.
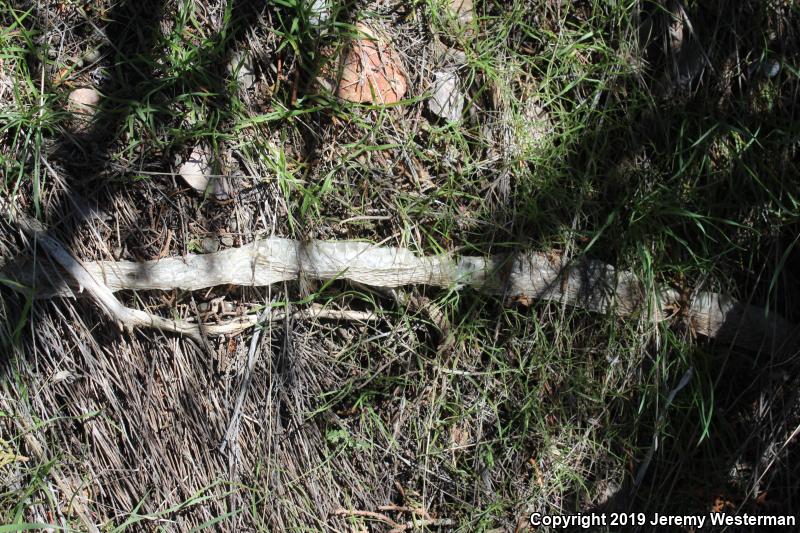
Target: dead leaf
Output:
{"points": [[61, 76], [459, 435], [447, 100], [523, 300], [371, 72], [197, 172]]}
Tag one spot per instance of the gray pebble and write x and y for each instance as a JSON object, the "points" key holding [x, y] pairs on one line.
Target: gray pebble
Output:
{"points": [[209, 244]]}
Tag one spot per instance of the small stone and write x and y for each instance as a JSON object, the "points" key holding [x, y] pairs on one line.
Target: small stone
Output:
{"points": [[92, 56], [196, 171], [196, 168], [530, 129], [243, 67], [100, 75], [226, 241], [82, 103], [771, 68], [463, 10], [209, 245], [444, 55], [447, 100]]}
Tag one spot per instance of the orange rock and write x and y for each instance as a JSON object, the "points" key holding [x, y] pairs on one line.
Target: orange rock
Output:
{"points": [[371, 72]]}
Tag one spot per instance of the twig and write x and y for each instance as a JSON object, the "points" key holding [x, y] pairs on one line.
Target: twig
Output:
{"points": [[316, 311], [396, 526], [400, 509]]}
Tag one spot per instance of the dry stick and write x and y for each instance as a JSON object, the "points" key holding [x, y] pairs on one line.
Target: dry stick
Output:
{"points": [[404, 509], [587, 284], [396, 527]]}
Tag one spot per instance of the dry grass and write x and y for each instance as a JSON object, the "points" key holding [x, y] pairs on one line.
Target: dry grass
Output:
{"points": [[598, 129]]}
